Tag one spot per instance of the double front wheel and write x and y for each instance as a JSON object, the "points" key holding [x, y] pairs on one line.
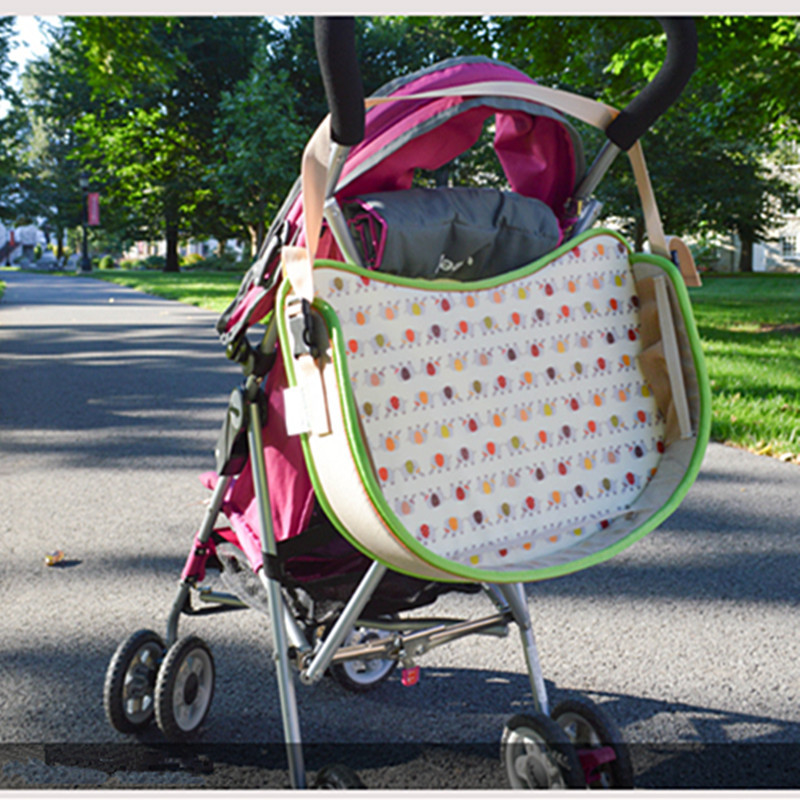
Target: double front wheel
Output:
{"points": [[146, 681]]}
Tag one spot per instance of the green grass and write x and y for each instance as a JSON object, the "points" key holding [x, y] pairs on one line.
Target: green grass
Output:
{"points": [[749, 325], [211, 290], [750, 330]]}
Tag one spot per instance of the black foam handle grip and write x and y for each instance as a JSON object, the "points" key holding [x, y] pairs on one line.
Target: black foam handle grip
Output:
{"points": [[635, 119], [335, 39]]}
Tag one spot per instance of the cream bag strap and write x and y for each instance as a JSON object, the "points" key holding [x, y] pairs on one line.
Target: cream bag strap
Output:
{"points": [[297, 261]]}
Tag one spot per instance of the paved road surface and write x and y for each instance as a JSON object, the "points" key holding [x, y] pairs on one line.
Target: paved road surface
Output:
{"points": [[109, 407]]}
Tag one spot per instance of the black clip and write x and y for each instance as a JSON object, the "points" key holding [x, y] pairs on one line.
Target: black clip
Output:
{"points": [[305, 341]]}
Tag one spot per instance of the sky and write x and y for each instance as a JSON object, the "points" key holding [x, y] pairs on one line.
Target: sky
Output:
{"points": [[30, 43]]}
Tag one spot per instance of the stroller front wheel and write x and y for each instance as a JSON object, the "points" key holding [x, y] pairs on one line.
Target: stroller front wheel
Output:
{"points": [[129, 687], [184, 688]]}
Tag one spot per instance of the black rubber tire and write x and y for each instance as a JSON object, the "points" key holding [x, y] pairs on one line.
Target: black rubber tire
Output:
{"points": [[536, 754], [588, 726], [337, 776], [129, 686], [184, 688], [361, 676]]}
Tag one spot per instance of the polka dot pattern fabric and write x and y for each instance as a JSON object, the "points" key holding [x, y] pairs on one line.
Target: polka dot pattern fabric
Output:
{"points": [[504, 423]]}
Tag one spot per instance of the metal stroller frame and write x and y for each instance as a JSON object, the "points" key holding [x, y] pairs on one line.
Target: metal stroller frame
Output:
{"points": [[312, 662], [148, 676]]}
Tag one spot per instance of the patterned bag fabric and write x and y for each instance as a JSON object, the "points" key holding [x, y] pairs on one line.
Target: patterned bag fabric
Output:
{"points": [[509, 429]]}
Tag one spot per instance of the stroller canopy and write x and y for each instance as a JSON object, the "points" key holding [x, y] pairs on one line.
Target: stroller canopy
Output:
{"points": [[540, 152]]}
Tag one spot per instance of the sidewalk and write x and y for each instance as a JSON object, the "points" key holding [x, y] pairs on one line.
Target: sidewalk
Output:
{"points": [[110, 403]]}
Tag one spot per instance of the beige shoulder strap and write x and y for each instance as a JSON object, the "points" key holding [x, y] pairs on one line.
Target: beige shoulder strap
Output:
{"points": [[297, 262]]}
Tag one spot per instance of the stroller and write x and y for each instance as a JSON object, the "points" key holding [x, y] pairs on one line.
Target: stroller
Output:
{"points": [[453, 389]]}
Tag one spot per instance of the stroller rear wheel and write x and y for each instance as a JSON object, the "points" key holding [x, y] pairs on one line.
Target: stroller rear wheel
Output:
{"points": [[592, 732], [184, 688], [361, 675], [537, 754], [337, 776], [129, 687]]}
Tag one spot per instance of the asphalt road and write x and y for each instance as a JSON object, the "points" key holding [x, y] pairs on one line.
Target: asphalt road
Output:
{"points": [[110, 403]]}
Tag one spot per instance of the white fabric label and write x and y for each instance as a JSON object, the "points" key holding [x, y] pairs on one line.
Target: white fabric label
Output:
{"points": [[296, 414]]}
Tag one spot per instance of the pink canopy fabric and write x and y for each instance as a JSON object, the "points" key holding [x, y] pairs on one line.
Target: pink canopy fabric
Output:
{"points": [[538, 149]]}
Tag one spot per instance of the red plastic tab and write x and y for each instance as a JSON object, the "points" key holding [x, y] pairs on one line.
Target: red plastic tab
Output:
{"points": [[593, 758], [410, 676]]}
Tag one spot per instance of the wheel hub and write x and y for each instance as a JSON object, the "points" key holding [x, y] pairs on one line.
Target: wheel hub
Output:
{"points": [[190, 689], [536, 773]]}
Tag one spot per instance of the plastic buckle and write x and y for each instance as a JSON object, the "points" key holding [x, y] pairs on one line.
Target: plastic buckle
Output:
{"points": [[302, 326]]}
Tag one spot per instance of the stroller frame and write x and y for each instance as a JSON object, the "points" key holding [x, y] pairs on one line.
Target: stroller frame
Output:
{"points": [[292, 649], [171, 678]]}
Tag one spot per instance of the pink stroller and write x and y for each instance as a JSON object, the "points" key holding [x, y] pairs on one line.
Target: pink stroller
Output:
{"points": [[454, 389]]}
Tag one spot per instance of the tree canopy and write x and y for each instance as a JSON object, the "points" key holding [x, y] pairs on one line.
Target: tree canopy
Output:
{"points": [[193, 126]]}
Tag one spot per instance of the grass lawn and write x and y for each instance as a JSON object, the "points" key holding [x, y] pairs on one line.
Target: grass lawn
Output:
{"points": [[749, 324], [750, 327], [211, 290]]}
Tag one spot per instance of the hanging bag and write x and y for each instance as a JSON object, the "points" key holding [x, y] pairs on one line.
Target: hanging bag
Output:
{"points": [[513, 428]]}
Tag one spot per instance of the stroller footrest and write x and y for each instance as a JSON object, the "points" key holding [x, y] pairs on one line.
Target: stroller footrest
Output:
{"points": [[220, 598]]}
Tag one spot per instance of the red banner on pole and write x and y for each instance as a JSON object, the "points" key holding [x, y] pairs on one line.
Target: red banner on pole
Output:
{"points": [[93, 208]]}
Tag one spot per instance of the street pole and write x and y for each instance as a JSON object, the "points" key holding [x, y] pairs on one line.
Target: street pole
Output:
{"points": [[86, 264]]}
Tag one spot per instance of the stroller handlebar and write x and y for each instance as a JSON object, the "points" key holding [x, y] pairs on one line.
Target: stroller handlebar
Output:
{"points": [[341, 77], [336, 50], [637, 117]]}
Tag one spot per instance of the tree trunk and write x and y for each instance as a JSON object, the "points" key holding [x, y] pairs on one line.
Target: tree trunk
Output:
{"points": [[746, 260], [172, 264], [639, 234], [257, 233], [441, 176]]}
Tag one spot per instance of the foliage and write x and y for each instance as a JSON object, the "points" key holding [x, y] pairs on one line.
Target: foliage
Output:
{"points": [[193, 126], [11, 124], [149, 140], [707, 154], [258, 145], [192, 260], [227, 262], [55, 97]]}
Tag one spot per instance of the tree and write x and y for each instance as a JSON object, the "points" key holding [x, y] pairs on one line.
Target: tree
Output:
{"points": [[264, 123], [386, 47], [258, 147], [55, 96], [707, 155], [11, 122], [151, 141]]}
